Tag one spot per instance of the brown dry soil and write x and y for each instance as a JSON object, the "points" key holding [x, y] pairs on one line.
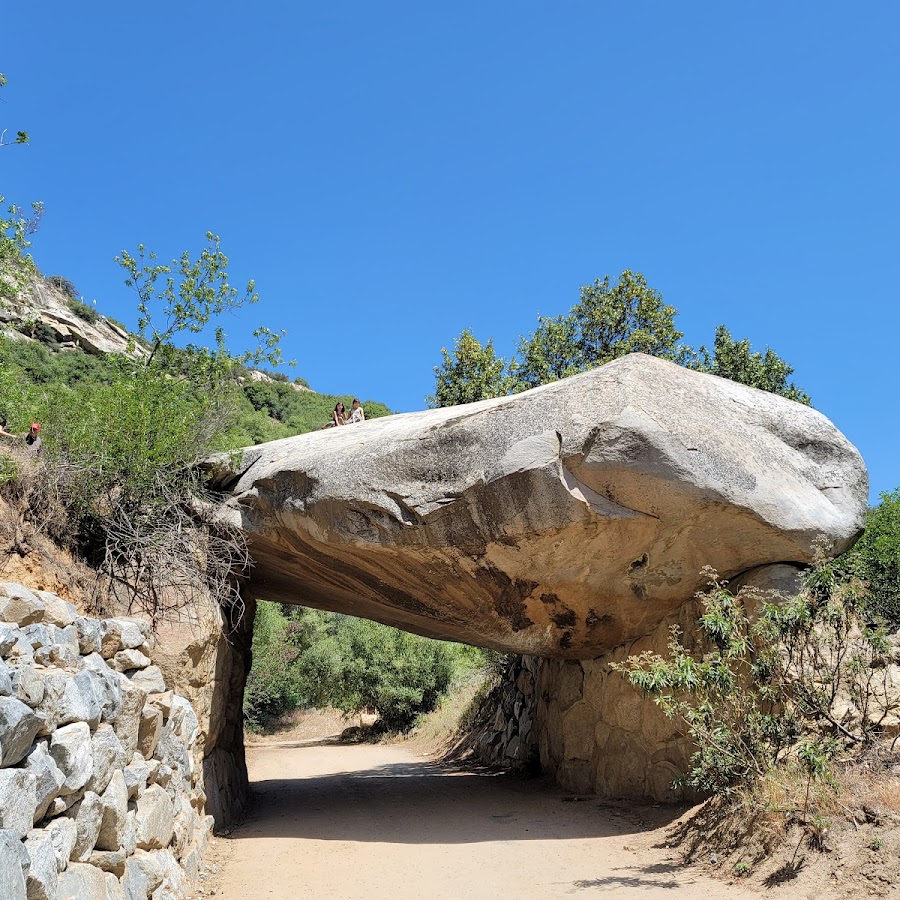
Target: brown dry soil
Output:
{"points": [[331, 820]]}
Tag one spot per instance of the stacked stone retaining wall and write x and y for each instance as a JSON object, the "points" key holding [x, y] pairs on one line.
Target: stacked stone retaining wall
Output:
{"points": [[100, 794]]}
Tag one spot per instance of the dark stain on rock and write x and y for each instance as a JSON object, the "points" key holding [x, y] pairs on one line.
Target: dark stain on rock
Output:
{"points": [[640, 563], [565, 640], [549, 599], [639, 591], [594, 620], [510, 604], [565, 619]]}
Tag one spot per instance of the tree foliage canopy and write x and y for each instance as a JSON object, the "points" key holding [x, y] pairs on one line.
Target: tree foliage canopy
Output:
{"points": [[610, 320]]}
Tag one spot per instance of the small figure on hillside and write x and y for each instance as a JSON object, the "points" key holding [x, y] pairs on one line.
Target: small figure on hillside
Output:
{"points": [[358, 414], [33, 442]]}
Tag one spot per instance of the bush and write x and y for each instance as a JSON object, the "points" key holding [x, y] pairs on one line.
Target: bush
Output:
{"points": [[788, 690], [64, 285], [304, 658], [876, 559], [83, 310]]}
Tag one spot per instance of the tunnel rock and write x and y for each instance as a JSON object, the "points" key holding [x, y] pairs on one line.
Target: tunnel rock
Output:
{"points": [[559, 522]]}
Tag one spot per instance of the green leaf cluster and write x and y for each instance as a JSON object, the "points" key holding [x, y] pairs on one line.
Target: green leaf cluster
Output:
{"points": [[304, 658], [875, 559], [775, 681], [611, 319]]}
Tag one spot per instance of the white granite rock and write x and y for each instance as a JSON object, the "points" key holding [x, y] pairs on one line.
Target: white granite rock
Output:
{"points": [[56, 610], [48, 776], [155, 819], [125, 660], [42, 878], [18, 728], [128, 721], [19, 605], [70, 747], [115, 811], [12, 876], [109, 755], [88, 816], [18, 801], [150, 679], [63, 833]]}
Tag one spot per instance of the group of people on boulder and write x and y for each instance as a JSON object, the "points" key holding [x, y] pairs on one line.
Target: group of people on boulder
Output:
{"points": [[31, 438], [340, 416]]}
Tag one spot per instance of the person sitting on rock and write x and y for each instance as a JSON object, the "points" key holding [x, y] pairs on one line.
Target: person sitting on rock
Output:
{"points": [[358, 414], [339, 416]]}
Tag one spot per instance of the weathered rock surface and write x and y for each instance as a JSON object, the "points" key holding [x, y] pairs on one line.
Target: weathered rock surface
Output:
{"points": [[560, 522]]}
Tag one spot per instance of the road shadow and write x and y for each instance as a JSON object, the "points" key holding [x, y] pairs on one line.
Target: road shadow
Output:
{"points": [[429, 802]]}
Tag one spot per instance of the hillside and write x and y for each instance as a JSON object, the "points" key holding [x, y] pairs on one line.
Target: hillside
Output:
{"points": [[48, 336]]}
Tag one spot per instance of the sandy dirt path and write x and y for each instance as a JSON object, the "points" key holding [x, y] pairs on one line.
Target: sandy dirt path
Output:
{"points": [[374, 821]]}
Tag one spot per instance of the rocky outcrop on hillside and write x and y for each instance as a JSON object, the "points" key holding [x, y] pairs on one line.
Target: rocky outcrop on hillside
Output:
{"points": [[43, 311], [560, 522], [99, 793]]}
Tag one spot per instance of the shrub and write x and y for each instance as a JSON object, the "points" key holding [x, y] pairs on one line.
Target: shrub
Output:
{"points": [[64, 285], [804, 680], [876, 559], [83, 310]]}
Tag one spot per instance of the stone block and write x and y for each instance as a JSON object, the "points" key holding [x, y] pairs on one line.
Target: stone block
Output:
{"points": [[107, 685], [28, 686], [115, 809], [108, 754], [70, 747], [12, 876], [109, 861], [6, 685], [155, 819], [18, 728], [82, 881], [42, 878], [19, 605], [125, 660], [136, 773], [49, 778], [150, 679], [63, 833], [89, 635], [128, 721], [18, 801], [149, 730], [88, 816], [183, 720], [56, 610]]}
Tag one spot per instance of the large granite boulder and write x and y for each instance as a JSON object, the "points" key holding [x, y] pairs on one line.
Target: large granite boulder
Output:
{"points": [[559, 522]]}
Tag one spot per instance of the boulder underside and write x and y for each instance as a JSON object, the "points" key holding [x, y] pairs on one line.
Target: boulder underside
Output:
{"points": [[560, 522]]}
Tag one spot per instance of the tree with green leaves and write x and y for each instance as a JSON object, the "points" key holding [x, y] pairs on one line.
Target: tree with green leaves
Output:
{"points": [[731, 358], [192, 293], [875, 559], [611, 319], [21, 136], [17, 268], [471, 372]]}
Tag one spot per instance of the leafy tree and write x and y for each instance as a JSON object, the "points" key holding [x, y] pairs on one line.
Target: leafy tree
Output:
{"points": [[875, 558], [731, 358], [17, 268], [192, 294], [610, 320], [63, 284], [783, 690], [21, 136], [471, 372]]}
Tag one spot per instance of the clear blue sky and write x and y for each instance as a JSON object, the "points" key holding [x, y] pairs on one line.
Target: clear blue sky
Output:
{"points": [[391, 173]]}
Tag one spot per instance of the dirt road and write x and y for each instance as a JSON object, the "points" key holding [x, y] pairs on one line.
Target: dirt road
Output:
{"points": [[373, 821]]}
